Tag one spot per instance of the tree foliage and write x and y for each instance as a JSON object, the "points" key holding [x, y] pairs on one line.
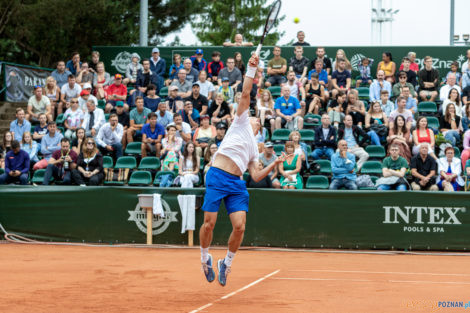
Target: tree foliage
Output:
{"points": [[43, 31], [222, 20]]}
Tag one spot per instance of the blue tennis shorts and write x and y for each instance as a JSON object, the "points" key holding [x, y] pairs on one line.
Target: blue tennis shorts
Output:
{"points": [[222, 185]]}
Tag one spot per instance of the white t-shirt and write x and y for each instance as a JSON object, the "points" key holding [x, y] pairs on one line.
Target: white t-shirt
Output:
{"points": [[71, 92], [239, 143], [206, 88], [74, 118], [186, 128], [82, 102]]}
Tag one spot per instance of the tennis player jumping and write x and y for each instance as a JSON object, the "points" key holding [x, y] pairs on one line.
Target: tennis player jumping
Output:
{"points": [[237, 152]]}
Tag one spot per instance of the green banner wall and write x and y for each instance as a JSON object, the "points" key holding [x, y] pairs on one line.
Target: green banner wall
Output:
{"points": [[116, 58], [313, 219]]}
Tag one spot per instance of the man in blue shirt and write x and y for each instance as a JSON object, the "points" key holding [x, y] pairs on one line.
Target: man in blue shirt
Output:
{"points": [[378, 85], [410, 101], [342, 167], [158, 66], [288, 111], [190, 115], [20, 125], [16, 165], [49, 143], [74, 65], [322, 74], [152, 134], [61, 74]]}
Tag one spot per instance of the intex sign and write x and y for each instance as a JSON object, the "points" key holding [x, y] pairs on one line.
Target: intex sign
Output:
{"points": [[415, 216]]}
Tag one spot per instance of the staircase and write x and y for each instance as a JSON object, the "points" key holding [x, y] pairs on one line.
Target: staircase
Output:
{"points": [[8, 114]]}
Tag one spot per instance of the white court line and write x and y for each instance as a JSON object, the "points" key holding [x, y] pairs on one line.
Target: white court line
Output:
{"points": [[235, 292], [375, 281], [369, 272]]}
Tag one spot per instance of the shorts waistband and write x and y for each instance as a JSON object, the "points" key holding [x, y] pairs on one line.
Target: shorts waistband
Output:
{"points": [[219, 169]]}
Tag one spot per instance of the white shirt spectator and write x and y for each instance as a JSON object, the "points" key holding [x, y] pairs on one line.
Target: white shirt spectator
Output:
{"points": [[444, 92], [71, 92], [106, 135], [82, 102], [39, 106], [186, 129], [74, 118], [99, 119], [206, 88]]}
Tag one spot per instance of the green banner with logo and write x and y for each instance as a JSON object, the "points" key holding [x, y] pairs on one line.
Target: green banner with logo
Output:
{"points": [[117, 58], [312, 219]]}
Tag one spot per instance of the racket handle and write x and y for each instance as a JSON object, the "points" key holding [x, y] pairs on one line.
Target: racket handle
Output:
{"points": [[258, 49]]}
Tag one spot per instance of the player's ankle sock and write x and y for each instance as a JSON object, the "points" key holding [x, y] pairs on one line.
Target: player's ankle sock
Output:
{"points": [[229, 258], [204, 254]]}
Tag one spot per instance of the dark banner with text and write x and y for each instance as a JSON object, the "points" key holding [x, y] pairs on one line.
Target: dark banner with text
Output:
{"points": [[20, 82]]}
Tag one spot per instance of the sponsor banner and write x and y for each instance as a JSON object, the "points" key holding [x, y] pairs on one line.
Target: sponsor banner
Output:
{"points": [[299, 219], [117, 58], [20, 81]]}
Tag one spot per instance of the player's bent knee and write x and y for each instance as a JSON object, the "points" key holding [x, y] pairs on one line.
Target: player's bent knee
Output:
{"points": [[239, 228]]}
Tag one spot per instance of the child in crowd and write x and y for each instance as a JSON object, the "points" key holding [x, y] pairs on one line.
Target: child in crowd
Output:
{"points": [[174, 68], [364, 70], [385, 103], [132, 69], [226, 90], [454, 69], [214, 67]]}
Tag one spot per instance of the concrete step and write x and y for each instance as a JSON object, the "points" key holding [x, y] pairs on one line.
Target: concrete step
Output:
{"points": [[7, 116], [5, 124]]}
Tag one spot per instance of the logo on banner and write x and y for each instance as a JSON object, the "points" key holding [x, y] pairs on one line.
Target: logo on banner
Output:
{"points": [[356, 61], [159, 224], [423, 219], [121, 61]]}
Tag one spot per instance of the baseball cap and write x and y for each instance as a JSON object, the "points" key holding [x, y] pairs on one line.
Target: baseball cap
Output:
{"points": [[196, 84], [173, 88], [225, 79], [155, 50], [199, 51], [204, 116], [84, 92], [268, 144], [221, 125], [118, 76], [119, 103], [86, 86]]}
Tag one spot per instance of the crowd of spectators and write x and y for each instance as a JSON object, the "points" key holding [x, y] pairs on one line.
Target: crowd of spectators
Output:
{"points": [[84, 113]]}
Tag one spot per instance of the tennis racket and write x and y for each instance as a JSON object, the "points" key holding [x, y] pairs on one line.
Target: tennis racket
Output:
{"points": [[272, 17]]}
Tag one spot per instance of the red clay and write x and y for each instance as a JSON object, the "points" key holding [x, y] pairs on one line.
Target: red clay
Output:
{"points": [[103, 279]]}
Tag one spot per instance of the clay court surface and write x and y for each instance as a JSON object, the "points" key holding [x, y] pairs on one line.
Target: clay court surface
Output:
{"points": [[105, 279]]}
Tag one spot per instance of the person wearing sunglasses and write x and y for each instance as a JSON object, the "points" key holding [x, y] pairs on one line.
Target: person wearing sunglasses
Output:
{"points": [[89, 169]]}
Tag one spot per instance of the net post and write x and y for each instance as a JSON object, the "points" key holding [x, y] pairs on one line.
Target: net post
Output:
{"points": [[149, 225]]}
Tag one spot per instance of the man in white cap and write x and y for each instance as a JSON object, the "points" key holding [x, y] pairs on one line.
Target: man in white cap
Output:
{"points": [[158, 66]]}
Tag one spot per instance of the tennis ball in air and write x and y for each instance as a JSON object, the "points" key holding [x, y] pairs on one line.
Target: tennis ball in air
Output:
{"points": [[296, 20]]}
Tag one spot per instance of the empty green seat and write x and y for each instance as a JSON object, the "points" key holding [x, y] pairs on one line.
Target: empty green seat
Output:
{"points": [[60, 119], [457, 152], [101, 104], [376, 152], [106, 116], [133, 148], [433, 122], [307, 135], [163, 92], [158, 177], [427, 107], [281, 134], [38, 176], [140, 178], [325, 166], [363, 93], [107, 161], [149, 163], [275, 91], [126, 162], [317, 182], [278, 149], [372, 168]]}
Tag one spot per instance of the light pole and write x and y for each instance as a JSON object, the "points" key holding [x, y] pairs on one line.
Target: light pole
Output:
{"points": [[380, 16], [452, 19], [144, 14]]}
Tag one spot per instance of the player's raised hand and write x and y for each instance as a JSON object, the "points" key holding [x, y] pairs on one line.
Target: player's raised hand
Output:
{"points": [[254, 60]]}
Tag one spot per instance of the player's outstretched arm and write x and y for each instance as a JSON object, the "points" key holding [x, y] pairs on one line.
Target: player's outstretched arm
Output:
{"points": [[258, 175], [248, 84]]}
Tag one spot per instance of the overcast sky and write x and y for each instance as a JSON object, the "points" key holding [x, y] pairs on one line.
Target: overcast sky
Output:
{"points": [[348, 22]]}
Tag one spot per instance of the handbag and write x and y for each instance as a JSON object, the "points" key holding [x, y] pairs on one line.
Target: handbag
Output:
{"points": [[380, 129]]}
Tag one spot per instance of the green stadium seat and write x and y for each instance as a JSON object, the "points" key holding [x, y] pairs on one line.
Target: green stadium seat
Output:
{"points": [[149, 163], [325, 166], [245, 175], [133, 148], [433, 122], [376, 152], [126, 162], [140, 178], [307, 135], [278, 149], [281, 134], [106, 116], [38, 176], [427, 107], [101, 104], [61, 129], [60, 119], [2, 171], [163, 92], [457, 152], [158, 177], [317, 182], [107, 161], [363, 93], [275, 91], [312, 120], [372, 168]]}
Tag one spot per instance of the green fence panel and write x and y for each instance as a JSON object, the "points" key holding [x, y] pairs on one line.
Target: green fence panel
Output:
{"points": [[308, 218], [116, 58]]}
